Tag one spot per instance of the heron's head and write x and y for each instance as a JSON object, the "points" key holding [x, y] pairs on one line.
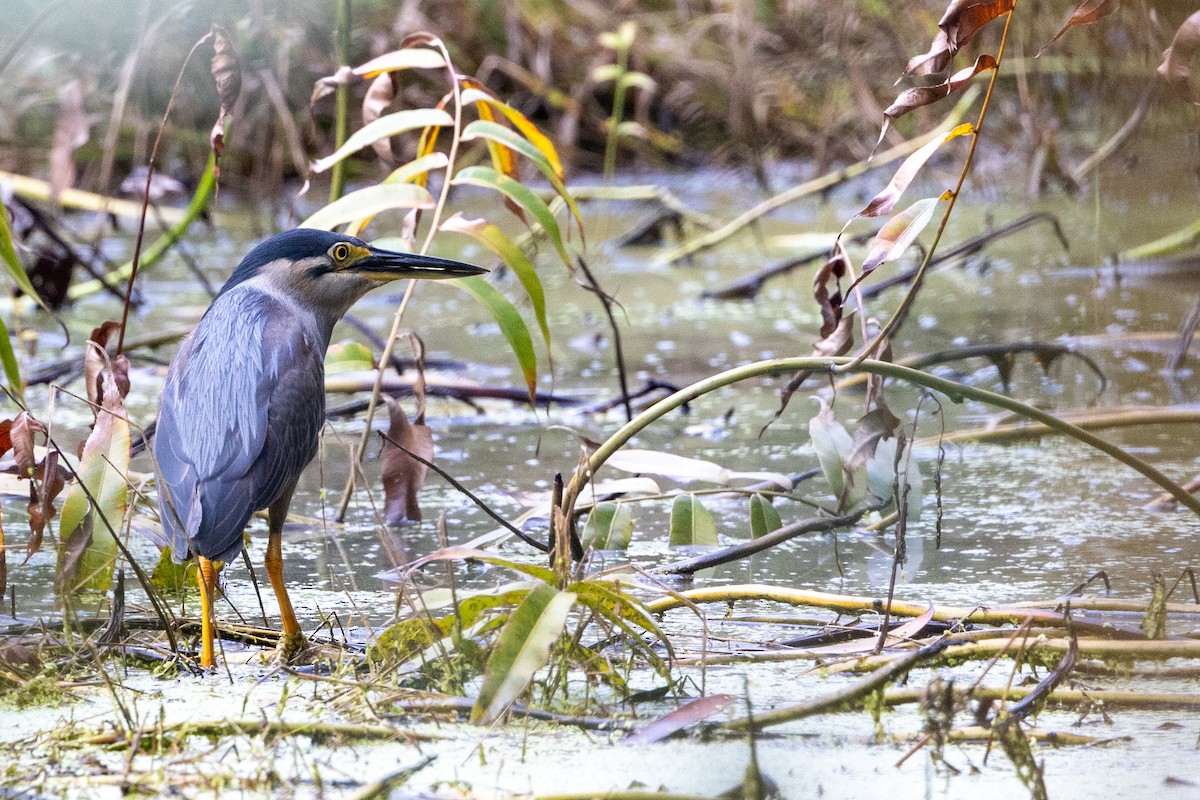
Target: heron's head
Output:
{"points": [[327, 272]]}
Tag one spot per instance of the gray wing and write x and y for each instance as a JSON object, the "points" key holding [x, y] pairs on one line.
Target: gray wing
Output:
{"points": [[241, 410]]}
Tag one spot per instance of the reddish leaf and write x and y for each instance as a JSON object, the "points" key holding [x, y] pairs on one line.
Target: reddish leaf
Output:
{"points": [[42, 494], [227, 72], [885, 201], [1086, 13], [403, 475], [688, 714], [962, 20], [70, 133], [5, 436], [911, 99], [1176, 65], [21, 433], [94, 361]]}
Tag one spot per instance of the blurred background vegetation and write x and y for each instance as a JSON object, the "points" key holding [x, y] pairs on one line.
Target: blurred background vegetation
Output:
{"points": [[734, 83]]}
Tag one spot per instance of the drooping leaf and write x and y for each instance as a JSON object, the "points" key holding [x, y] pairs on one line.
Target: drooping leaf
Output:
{"points": [[1176, 65], [511, 325], [833, 444], [514, 257], [379, 96], [169, 576], [87, 548], [919, 96], [618, 608], [1085, 13], [493, 132], [96, 362], [764, 518], [49, 479], [227, 73], [8, 254], [368, 202], [402, 474], [475, 93], [523, 196], [962, 20], [385, 126], [691, 523], [886, 200], [521, 650], [70, 133], [609, 527], [898, 234]]}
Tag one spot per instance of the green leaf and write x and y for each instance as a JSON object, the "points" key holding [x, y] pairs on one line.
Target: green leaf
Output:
{"points": [[385, 126], [495, 132], [691, 524], [521, 650], [348, 357], [629, 614], [763, 517], [87, 548], [498, 242], [8, 254], [369, 202], [511, 325], [609, 527], [478, 94], [417, 167], [12, 369], [520, 194], [168, 576]]}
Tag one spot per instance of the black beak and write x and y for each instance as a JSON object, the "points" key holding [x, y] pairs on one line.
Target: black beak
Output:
{"points": [[388, 265]]}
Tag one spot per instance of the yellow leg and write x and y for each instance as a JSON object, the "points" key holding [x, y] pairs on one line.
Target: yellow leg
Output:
{"points": [[207, 578], [292, 641]]}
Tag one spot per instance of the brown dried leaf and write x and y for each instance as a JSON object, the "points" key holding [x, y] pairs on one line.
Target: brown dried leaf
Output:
{"points": [[837, 331], [227, 72], [1087, 12], [1176, 65], [328, 85], [94, 361], [877, 424], [21, 433], [5, 436], [403, 475], [379, 96], [962, 20], [911, 99], [70, 133], [885, 201], [41, 500]]}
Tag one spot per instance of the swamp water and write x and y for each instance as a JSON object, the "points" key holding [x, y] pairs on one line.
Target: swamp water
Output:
{"points": [[1022, 522]]}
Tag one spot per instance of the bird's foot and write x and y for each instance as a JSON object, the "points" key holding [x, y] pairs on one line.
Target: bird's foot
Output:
{"points": [[291, 647]]}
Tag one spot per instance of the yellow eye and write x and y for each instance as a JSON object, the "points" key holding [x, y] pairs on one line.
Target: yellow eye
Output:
{"points": [[340, 252]]}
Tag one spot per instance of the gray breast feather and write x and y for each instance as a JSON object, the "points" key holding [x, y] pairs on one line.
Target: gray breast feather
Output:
{"points": [[240, 413]]}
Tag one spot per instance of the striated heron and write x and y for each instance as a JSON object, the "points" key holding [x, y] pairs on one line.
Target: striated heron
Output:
{"points": [[244, 399]]}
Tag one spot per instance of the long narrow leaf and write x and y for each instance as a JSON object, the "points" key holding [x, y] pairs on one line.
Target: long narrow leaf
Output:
{"points": [[477, 94], [368, 202], [8, 254], [898, 234], [495, 240], [522, 649], [522, 196], [511, 325], [491, 131], [389, 125], [408, 58]]}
